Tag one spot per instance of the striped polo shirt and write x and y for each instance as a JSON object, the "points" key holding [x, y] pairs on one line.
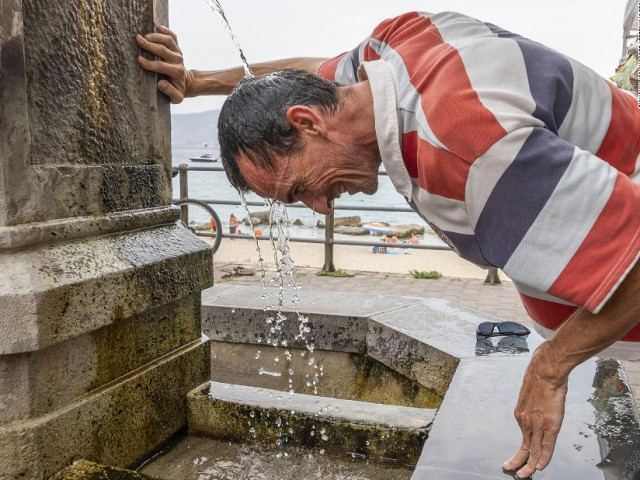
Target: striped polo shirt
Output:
{"points": [[518, 156]]}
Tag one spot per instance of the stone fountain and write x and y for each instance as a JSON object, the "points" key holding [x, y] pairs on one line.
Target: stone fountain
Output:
{"points": [[100, 336]]}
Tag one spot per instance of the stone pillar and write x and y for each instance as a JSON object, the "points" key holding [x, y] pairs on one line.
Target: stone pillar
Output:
{"points": [[99, 284]]}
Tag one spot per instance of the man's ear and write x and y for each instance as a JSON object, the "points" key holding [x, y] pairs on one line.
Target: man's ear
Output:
{"points": [[306, 120]]}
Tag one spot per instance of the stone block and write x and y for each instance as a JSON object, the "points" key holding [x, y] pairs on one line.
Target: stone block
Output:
{"points": [[350, 376], [419, 361], [336, 322], [83, 130], [118, 424], [64, 290], [35, 383]]}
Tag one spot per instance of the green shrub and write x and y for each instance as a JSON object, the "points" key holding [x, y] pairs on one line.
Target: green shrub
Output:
{"points": [[338, 273], [432, 274]]}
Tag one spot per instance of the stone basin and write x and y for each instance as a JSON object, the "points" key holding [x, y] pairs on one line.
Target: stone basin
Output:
{"points": [[410, 382]]}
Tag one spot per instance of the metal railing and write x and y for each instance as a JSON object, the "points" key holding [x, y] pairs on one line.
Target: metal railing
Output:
{"points": [[329, 241]]}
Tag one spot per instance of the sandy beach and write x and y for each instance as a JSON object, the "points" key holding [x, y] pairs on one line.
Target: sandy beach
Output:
{"points": [[353, 258]]}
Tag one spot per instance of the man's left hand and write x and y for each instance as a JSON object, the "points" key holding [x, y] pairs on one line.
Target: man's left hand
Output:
{"points": [[539, 413]]}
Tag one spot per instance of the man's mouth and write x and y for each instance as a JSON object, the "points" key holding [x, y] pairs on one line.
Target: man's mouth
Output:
{"points": [[338, 191]]}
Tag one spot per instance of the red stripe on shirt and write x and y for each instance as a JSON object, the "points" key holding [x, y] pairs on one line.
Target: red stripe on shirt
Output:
{"points": [[548, 314], [621, 146], [328, 69], [441, 172], [454, 111], [410, 153], [615, 236], [551, 315]]}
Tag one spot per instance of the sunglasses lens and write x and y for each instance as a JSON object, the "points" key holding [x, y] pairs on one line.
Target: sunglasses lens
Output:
{"points": [[512, 328], [485, 329]]}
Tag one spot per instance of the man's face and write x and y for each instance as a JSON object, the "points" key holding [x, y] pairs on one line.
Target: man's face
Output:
{"points": [[316, 176]]}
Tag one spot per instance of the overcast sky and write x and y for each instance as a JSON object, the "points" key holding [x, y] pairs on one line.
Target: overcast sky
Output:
{"points": [[588, 30]]}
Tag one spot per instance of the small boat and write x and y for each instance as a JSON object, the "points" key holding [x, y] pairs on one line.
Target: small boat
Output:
{"points": [[205, 157]]}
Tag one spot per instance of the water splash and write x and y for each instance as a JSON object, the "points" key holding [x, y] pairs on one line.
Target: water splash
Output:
{"points": [[219, 11]]}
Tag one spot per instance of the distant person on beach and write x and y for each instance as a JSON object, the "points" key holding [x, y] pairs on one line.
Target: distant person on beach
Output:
{"points": [[519, 157], [414, 240], [233, 223]]}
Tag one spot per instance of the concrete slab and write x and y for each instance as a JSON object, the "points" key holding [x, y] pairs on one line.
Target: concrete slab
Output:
{"points": [[474, 432], [336, 322], [227, 411], [426, 340]]}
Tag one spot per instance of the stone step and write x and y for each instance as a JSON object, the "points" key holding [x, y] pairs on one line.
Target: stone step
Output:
{"points": [[242, 413]]}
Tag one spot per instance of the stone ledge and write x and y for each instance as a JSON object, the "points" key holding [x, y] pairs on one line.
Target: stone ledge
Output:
{"points": [[65, 290], [337, 322], [118, 424], [67, 229]]}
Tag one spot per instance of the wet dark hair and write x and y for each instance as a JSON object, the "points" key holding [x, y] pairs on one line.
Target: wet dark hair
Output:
{"points": [[253, 119]]}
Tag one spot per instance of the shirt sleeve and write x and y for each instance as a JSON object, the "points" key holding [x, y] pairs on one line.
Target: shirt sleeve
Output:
{"points": [[561, 222], [343, 69]]}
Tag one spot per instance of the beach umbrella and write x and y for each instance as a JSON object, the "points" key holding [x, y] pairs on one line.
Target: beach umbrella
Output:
{"points": [[376, 227]]}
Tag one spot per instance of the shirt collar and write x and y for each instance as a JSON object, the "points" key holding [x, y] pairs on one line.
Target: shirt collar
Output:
{"points": [[384, 88]]}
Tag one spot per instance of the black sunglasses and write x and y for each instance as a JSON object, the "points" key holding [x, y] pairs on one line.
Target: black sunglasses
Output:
{"points": [[497, 329]]}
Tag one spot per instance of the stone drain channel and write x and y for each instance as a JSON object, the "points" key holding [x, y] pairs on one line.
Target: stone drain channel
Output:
{"points": [[406, 392]]}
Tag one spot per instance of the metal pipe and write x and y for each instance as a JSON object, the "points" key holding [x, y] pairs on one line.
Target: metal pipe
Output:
{"points": [[360, 243], [328, 243], [184, 191], [302, 205]]}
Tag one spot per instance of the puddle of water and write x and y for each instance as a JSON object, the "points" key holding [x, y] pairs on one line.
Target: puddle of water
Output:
{"points": [[196, 458]]}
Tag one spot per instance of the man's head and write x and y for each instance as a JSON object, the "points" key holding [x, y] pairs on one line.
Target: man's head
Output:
{"points": [[294, 136]]}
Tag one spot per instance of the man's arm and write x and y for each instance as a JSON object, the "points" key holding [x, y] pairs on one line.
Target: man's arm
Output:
{"points": [[183, 83], [540, 407]]}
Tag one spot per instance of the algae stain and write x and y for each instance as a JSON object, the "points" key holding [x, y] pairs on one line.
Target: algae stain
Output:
{"points": [[92, 31]]}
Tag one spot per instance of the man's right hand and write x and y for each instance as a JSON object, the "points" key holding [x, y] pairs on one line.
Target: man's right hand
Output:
{"points": [[169, 62]]}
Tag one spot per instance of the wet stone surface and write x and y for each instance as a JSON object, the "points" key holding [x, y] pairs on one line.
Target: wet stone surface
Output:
{"points": [[270, 417], [84, 470], [197, 458], [475, 431]]}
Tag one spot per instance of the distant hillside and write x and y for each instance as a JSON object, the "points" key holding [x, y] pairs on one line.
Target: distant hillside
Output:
{"points": [[191, 129]]}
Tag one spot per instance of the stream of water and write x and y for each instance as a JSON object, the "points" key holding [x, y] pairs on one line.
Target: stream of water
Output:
{"points": [[217, 8], [284, 276]]}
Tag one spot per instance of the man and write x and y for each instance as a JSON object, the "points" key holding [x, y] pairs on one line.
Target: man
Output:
{"points": [[519, 157]]}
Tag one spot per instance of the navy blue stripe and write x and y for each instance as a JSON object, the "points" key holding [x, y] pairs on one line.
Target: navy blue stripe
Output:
{"points": [[550, 78], [521, 193], [354, 57], [465, 245], [468, 248]]}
